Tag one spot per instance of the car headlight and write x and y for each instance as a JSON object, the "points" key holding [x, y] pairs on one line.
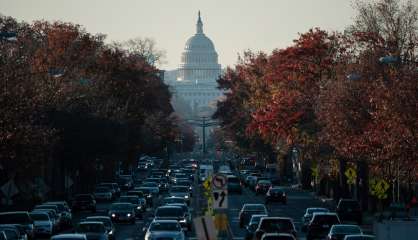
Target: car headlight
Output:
{"points": [[183, 220], [111, 232], [139, 207], [128, 215], [186, 196], [113, 215]]}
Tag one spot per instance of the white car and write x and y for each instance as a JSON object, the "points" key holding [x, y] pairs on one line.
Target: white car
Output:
{"points": [[164, 229], [42, 223]]}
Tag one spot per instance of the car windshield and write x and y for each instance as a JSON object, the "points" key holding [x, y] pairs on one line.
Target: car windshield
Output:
{"points": [[83, 198], [102, 190], [106, 222], [39, 217], [165, 226], [276, 190], [312, 210], [346, 230], [169, 212], [326, 219], [122, 206], [91, 227], [174, 200], [254, 208], [233, 180], [180, 189], [133, 200], [271, 225], [14, 218]]}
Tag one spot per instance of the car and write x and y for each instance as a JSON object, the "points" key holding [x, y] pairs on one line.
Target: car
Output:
{"points": [[147, 192], [249, 209], [185, 182], [84, 202], [277, 236], [233, 184], [125, 182], [52, 210], [107, 222], [43, 225], [21, 219], [320, 224], [154, 187], [53, 216], [188, 214], [359, 237], [164, 229], [276, 194], [93, 230], [103, 194], [172, 213], [339, 231], [69, 236], [168, 200], [122, 212], [349, 210], [140, 203], [262, 186], [64, 210], [180, 191], [251, 181], [113, 186], [275, 225], [309, 213], [252, 225], [13, 232]]}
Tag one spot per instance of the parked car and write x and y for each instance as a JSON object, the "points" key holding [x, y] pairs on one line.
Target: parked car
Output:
{"points": [[308, 215], [275, 225], [140, 203], [339, 231], [277, 236], [69, 236], [252, 226], [250, 209], [43, 225], [320, 224], [64, 210], [172, 213], [93, 230], [233, 184], [164, 229], [13, 232], [122, 212], [84, 202], [349, 210], [276, 194], [359, 237], [107, 222], [20, 219], [262, 186], [103, 194]]}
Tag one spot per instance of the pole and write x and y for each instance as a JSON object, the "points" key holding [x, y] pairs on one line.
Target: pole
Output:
{"points": [[398, 184], [204, 135]]}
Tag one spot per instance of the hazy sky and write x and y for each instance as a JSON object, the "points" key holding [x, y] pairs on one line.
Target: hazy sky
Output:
{"points": [[233, 25]]}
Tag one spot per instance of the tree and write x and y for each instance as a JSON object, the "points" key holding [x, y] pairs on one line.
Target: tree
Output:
{"points": [[145, 48]]}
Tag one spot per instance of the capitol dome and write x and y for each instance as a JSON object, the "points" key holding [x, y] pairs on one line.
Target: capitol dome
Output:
{"points": [[199, 61]]}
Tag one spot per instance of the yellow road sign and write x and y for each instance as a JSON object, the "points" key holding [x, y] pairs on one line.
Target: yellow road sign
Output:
{"points": [[351, 175], [379, 188]]}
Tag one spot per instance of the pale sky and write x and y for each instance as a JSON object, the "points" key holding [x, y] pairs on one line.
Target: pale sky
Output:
{"points": [[233, 25]]}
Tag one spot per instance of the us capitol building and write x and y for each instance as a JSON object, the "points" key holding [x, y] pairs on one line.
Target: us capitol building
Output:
{"points": [[194, 82]]}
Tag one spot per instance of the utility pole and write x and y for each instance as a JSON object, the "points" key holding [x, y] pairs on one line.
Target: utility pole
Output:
{"points": [[203, 122]]}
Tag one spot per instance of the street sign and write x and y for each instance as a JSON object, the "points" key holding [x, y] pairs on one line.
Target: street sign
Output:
{"points": [[219, 181], [9, 189], [220, 199], [205, 228], [351, 175], [379, 188]]}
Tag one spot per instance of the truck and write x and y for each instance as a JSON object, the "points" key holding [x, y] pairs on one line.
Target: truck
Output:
{"points": [[205, 171]]}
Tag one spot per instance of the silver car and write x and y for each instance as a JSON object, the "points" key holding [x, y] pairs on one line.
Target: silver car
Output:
{"points": [[164, 229], [42, 223]]}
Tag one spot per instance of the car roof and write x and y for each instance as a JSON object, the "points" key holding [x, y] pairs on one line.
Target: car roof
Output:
{"points": [[91, 222], [69, 235], [325, 213], [16, 212], [169, 206], [164, 221], [345, 225], [97, 217]]}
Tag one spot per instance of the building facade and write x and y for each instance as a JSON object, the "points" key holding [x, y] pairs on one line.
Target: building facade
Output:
{"points": [[195, 79]]}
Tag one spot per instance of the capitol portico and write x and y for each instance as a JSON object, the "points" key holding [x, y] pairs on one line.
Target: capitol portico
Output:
{"points": [[195, 79]]}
